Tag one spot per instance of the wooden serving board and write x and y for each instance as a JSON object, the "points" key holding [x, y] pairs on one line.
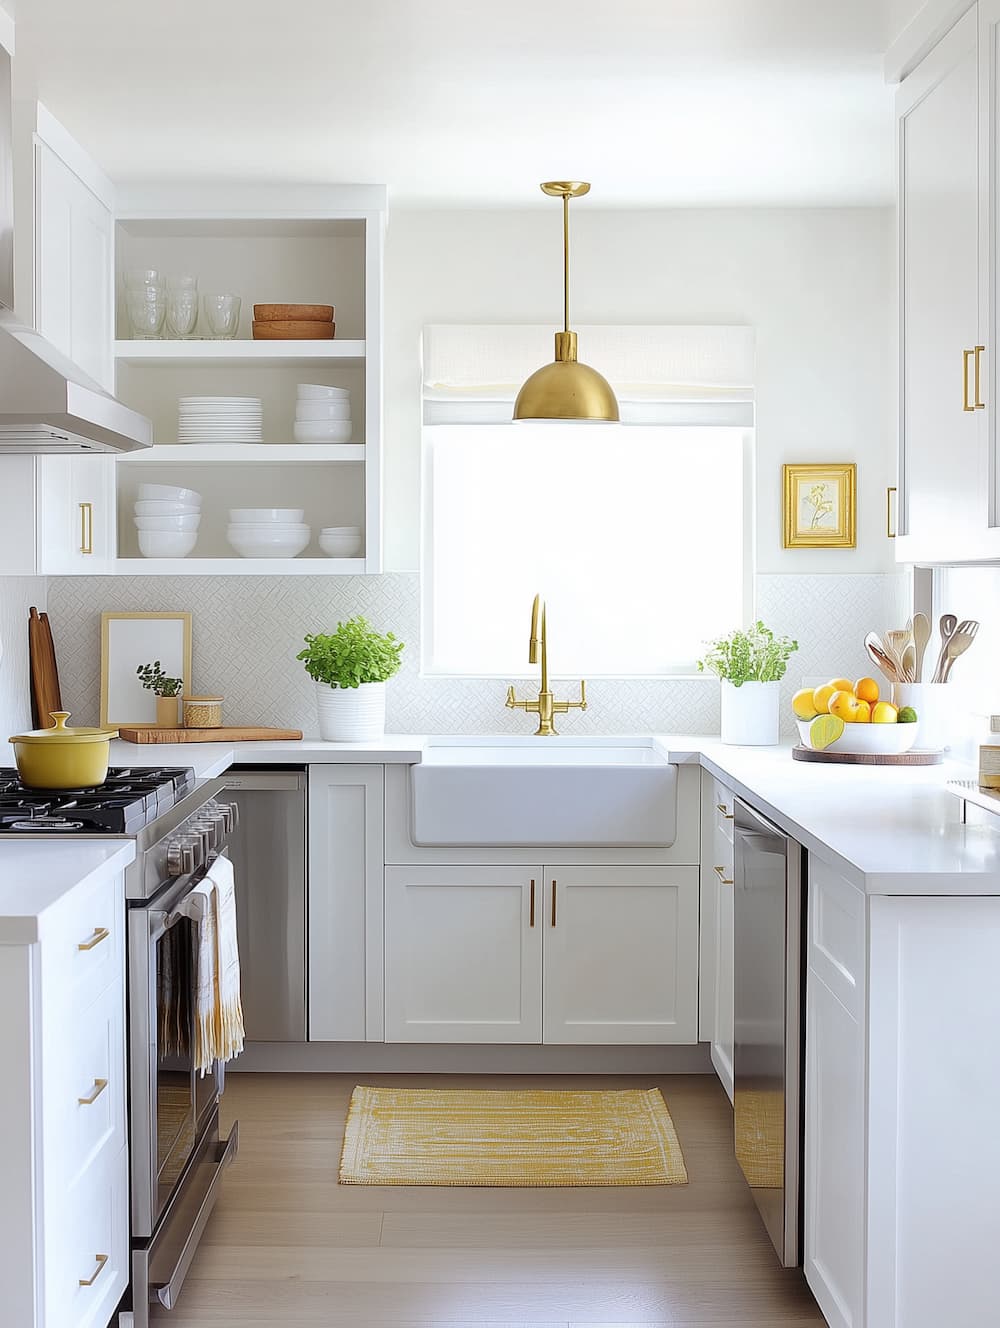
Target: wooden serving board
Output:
{"points": [[45, 694], [150, 734], [800, 753]]}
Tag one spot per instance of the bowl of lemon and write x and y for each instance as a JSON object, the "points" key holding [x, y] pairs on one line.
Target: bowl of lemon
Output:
{"points": [[845, 716]]}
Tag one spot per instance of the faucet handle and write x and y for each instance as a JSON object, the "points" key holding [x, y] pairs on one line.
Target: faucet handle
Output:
{"points": [[582, 703], [513, 703]]}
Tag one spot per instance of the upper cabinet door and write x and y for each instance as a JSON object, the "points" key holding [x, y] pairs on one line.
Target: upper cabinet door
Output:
{"points": [[989, 255], [942, 507], [74, 263]]}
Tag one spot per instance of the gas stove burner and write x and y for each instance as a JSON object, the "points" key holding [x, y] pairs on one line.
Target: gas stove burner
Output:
{"points": [[47, 824]]}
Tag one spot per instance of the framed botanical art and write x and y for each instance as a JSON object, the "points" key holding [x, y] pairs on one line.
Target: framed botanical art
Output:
{"points": [[129, 640], [820, 506]]}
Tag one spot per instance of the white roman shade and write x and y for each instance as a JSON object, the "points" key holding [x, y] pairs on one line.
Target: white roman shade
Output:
{"points": [[661, 374]]}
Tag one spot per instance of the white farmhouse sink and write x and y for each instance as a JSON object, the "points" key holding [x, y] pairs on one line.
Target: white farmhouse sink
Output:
{"points": [[543, 792]]}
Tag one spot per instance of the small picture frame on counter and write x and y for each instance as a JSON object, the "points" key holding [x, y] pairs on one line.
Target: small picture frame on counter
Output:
{"points": [[129, 640], [820, 505]]}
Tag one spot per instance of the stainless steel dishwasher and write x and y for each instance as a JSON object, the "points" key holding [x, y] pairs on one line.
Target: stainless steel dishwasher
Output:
{"points": [[268, 851], [767, 995]]}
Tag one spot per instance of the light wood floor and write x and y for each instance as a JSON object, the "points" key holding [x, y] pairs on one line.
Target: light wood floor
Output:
{"points": [[288, 1246]]}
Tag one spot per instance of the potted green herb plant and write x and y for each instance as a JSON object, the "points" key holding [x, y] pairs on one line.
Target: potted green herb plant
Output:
{"points": [[750, 665], [166, 690], [350, 668]]}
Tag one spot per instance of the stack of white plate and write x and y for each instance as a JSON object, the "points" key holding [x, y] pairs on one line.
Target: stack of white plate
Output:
{"points": [[167, 520], [267, 532], [220, 420], [322, 414]]}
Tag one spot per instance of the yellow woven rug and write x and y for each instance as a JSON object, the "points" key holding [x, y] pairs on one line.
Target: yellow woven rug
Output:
{"points": [[406, 1136]]}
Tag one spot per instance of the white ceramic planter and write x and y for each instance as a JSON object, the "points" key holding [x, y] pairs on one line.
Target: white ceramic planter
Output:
{"points": [[750, 713], [351, 714]]}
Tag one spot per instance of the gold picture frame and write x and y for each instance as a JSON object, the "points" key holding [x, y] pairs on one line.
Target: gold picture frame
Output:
{"points": [[820, 506], [124, 646]]}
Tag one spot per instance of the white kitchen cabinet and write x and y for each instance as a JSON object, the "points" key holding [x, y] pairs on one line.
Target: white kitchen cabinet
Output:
{"points": [[715, 980], [620, 955], [345, 903], [64, 1235], [59, 515], [463, 954]]}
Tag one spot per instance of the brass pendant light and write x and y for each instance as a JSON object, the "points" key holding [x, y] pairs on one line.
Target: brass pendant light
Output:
{"points": [[566, 389]]}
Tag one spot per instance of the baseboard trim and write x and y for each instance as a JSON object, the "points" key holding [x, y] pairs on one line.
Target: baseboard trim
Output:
{"points": [[411, 1058]]}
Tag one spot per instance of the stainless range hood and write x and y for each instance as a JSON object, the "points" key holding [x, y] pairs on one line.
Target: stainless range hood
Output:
{"points": [[47, 404]]}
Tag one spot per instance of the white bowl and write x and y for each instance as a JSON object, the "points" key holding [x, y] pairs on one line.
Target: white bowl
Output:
{"points": [[322, 431], [161, 492], [167, 543], [340, 546], [867, 739], [319, 392], [268, 544], [339, 409], [191, 522], [267, 528], [341, 530], [165, 507], [261, 516]]}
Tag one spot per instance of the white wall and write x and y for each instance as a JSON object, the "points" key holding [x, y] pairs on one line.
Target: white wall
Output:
{"points": [[815, 284]]}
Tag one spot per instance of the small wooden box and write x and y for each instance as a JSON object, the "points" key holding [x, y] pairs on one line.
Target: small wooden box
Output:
{"points": [[989, 767]]}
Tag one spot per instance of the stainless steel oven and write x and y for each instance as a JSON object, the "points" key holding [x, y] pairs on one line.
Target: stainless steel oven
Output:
{"points": [[177, 1157]]}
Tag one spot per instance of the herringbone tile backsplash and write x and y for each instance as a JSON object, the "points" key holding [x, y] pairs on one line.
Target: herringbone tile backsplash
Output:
{"points": [[247, 631]]}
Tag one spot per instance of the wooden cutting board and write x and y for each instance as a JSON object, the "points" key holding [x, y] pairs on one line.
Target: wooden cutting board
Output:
{"points": [[801, 753], [45, 694], [150, 734]]}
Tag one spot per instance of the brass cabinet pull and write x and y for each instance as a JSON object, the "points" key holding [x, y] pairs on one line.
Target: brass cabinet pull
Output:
{"points": [[101, 1261], [86, 527], [531, 906], [890, 490], [966, 357], [100, 934], [721, 871], [979, 404], [725, 810], [553, 903], [99, 1086]]}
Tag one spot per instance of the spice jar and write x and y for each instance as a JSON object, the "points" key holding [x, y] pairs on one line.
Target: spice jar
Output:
{"points": [[202, 712]]}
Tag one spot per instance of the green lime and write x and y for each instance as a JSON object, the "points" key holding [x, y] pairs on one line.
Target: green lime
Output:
{"points": [[907, 715], [824, 730]]}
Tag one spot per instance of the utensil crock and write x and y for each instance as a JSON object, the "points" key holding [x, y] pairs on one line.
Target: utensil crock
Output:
{"points": [[61, 757]]}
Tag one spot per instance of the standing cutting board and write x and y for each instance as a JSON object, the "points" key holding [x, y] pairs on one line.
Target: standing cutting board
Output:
{"points": [[45, 694], [148, 734]]}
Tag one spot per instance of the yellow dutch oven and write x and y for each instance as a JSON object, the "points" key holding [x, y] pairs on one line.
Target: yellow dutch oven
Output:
{"points": [[62, 758]]}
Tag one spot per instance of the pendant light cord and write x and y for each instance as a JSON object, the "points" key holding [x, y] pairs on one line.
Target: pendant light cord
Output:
{"points": [[565, 262]]}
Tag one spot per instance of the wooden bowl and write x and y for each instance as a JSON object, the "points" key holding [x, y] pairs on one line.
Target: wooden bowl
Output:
{"points": [[303, 313], [292, 329]]}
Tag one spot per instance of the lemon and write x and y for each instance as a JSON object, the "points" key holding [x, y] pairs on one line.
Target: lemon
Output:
{"points": [[824, 730], [883, 712], [821, 698], [842, 685], [802, 704]]}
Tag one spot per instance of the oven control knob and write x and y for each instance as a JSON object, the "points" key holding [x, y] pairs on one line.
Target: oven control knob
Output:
{"points": [[182, 857]]}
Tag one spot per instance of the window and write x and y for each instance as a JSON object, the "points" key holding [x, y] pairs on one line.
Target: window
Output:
{"points": [[638, 537]]}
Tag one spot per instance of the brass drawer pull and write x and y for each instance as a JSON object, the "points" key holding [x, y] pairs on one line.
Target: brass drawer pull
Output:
{"points": [[86, 527], [99, 1086], [101, 1261], [966, 357], [721, 872], [531, 906], [724, 810], [890, 490], [100, 934], [553, 903], [979, 404]]}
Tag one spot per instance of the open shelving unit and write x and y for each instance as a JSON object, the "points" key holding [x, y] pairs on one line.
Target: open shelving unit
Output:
{"points": [[321, 244]]}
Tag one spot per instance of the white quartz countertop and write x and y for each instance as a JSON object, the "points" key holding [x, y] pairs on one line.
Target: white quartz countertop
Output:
{"points": [[890, 830], [36, 874]]}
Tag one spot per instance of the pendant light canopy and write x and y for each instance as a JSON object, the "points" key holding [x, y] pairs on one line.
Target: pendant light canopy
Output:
{"points": [[566, 389]]}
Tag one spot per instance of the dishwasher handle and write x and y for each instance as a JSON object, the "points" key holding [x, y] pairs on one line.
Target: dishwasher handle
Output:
{"points": [[264, 781]]}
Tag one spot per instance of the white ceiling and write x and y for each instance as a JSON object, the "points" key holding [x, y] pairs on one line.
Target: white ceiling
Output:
{"points": [[470, 103]]}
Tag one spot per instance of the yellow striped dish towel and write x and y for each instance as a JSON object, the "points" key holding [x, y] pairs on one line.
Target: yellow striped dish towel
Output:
{"points": [[218, 1014]]}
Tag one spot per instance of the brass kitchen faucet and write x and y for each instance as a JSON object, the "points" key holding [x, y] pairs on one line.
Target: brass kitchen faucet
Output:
{"points": [[544, 705]]}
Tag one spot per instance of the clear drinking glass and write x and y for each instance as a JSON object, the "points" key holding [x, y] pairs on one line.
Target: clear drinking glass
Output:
{"points": [[182, 305], [222, 315], [147, 308]]}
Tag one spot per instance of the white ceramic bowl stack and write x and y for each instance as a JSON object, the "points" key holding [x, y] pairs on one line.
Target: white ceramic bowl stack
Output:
{"points": [[340, 541], [167, 520], [322, 414], [220, 420], [268, 532]]}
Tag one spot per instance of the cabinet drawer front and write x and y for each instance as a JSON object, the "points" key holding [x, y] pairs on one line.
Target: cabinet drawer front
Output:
{"points": [[84, 950], [837, 935], [86, 1249], [84, 1084], [723, 809]]}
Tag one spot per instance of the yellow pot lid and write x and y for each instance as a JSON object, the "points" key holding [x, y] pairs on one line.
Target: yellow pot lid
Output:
{"points": [[61, 733]]}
